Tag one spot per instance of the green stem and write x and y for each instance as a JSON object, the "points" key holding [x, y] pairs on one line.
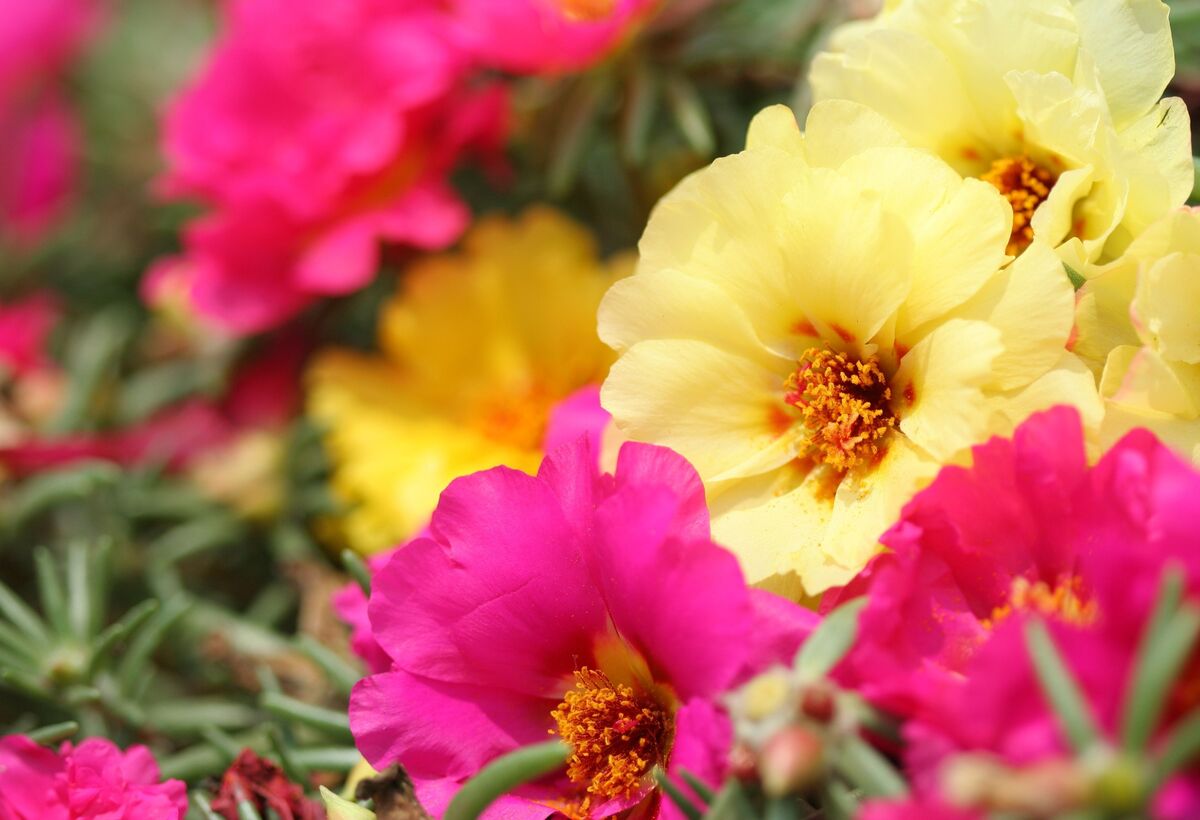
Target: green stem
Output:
{"points": [[503, 775]]}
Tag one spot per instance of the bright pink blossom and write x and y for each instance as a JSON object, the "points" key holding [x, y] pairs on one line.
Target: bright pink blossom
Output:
{"points": [[580, 414], [550, 36], [38, 139], [531, 586], [318, 129], [1028, 527], [92, 780], [1029, 530]]}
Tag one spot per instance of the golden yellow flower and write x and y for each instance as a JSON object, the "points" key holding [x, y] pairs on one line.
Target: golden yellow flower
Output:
{"points": [[821, 321], [1139, 329], [1054, 102], [478, 346]]}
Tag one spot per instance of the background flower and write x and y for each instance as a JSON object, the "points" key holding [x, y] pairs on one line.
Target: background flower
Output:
{"points": [[317, 130], [92, 780], [38, 133], [479, 346], [1055, 103]]}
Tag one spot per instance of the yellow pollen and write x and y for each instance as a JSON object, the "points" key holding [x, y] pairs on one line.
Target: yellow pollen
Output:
{"points": [[845, 403], [1066, 601], [587, 11], [616, 736], [1025, 185]]}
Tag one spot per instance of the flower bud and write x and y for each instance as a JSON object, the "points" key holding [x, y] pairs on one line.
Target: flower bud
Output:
{"points": [[791, 761], [817, 703]]}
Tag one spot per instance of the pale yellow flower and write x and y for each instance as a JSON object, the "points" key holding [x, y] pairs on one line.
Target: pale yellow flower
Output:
{"points": [[821, 321], [478, 346], [1139, 329], [1055, 102]]}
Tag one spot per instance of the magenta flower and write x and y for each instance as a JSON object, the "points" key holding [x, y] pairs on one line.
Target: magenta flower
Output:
{"points": [[25, 326], [1028, 528], [575, 603], [38, 134], [550, 36], [318, 129], [577, 415], [92, 780]]}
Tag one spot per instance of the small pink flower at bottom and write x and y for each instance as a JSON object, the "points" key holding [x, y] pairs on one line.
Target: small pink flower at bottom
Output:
{"points": [[590, 606], [94, 780]]}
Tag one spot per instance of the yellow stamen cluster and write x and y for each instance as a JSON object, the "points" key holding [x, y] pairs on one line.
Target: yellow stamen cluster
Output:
{"points": [[616, 736], [587, 11], [845, 403], [1025, 185], [1066, 601]]}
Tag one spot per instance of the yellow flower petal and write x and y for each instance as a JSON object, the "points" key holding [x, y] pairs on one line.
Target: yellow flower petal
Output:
{"points": [[940, 384]]}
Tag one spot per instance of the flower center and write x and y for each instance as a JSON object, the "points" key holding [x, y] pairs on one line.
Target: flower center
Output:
{"points": [[514, 417], [587, 11], [845, 403], [616, 735], [1067, 601], [1025, 185]]}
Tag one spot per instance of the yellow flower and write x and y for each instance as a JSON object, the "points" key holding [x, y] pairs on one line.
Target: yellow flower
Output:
{"points": [[478, 346], [1139, 329], [821, 321], [1055, 102]]}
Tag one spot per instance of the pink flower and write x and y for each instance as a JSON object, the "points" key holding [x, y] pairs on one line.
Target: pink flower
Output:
{"points": [[914, 809], [92, 780], [38, 139], [262, 396], [556, 603], [25, 327], [1028, 531], [317, 129], [1028, 528], [550, 36], [577, 415]]}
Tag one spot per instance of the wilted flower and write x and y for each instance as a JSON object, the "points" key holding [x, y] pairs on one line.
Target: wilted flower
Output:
{"points": [[574, 603], [317, 130], [480, 346], [264, 785], [92, 781], [1054, 102], [819, 322]]}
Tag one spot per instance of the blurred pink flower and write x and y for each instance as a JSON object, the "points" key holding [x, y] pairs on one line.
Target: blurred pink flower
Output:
{"points": [[263, 395], [915, 809], [38, 135], [94, 780], [550, 36], [318, 129], [539, 604], [25, 327]]}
